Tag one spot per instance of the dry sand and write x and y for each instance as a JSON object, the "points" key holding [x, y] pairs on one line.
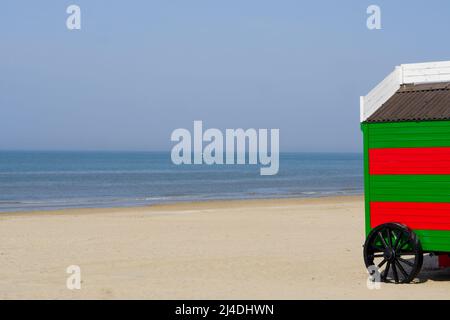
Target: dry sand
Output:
{"points": [[257, 249]]}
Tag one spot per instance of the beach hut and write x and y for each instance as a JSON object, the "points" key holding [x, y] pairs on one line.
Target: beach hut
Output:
{"points": [[405, 122]]}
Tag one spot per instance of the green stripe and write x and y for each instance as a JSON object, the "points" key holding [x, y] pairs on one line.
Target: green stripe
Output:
{"points": [[410, 188], [433, 240], [409, 134]]}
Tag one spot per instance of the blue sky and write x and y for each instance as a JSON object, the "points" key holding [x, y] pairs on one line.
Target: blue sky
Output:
{"points": [[137, 70]]}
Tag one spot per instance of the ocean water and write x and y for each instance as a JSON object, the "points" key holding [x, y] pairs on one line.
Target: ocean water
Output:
{"points": [[54, 180]]}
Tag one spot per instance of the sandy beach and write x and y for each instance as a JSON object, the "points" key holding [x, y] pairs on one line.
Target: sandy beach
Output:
{"points": [[255, 249]]}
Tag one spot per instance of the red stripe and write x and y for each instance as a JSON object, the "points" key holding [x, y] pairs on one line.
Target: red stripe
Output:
{"points": [[409, 161], [415, 215]]}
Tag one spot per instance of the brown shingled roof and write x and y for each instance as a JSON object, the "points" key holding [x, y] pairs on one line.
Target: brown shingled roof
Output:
{"points": [[416, 102]]}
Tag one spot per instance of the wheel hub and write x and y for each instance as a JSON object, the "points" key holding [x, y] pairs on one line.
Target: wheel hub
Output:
{"points": [[389, 254]]}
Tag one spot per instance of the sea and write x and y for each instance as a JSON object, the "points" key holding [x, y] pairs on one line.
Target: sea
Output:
{"points": [[50, 180]]}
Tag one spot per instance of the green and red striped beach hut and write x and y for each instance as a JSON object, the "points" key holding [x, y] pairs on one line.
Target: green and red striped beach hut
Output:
{"points": [[406, 127]]}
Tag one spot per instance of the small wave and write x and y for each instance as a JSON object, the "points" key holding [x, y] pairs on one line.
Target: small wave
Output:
{"points": [[9, 202]]}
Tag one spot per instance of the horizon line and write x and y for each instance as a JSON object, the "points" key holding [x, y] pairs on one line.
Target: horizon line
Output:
{"points": [[141, 150]]}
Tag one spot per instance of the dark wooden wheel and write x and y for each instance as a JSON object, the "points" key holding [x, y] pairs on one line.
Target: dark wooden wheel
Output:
{"points": [[395, 251]]}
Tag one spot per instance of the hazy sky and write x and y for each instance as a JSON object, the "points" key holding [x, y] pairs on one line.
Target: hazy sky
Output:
{"points": [[137, 70]]}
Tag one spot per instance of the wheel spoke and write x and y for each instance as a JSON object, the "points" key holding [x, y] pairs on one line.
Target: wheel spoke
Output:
{"points": [[389, 235], [378, 255], [382, 239], [409, 263], [386, 271], [397, 242], [394, 269], [382, 263], [401, 269], [404, 244]]}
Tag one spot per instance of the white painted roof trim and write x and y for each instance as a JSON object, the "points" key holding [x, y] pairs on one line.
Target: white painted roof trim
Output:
{"points": [[429, 72]]}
